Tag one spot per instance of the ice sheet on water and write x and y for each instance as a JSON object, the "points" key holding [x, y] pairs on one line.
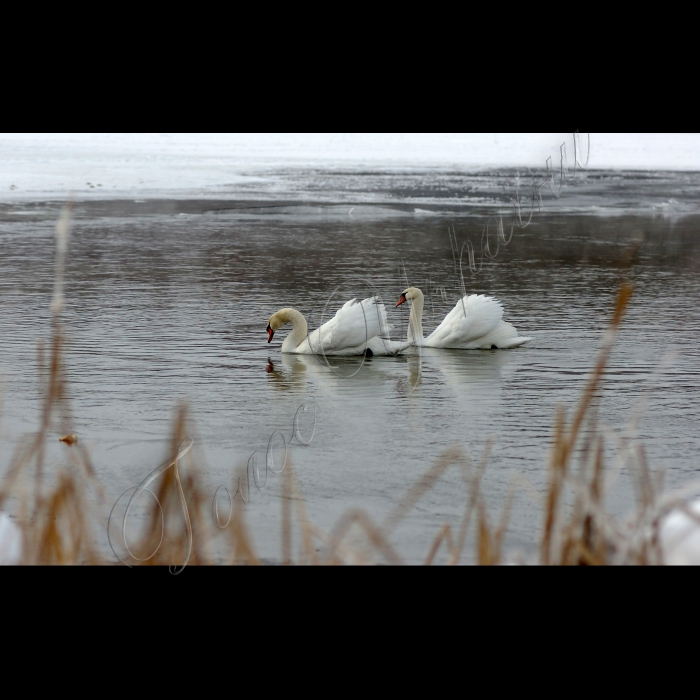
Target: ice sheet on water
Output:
{"points": [[104, 166]]}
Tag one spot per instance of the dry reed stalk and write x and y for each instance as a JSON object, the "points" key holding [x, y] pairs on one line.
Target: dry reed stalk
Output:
{"points": [[485, 550], [243, 548], [585, 537], [342, 554], [56, 526], [489, 543], [506, 511], [374, 533], [473, 489], [444, 534], [424, 484], [184, 507], [308, 555]]}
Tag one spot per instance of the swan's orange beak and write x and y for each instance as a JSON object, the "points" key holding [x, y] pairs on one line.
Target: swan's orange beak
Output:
{"points": [[270, 333], [401, 300]]}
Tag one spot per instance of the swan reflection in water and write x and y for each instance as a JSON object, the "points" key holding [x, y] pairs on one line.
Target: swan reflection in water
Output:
{"points": [[291, 371], [460, 377], [286, 373], [473, 378]]}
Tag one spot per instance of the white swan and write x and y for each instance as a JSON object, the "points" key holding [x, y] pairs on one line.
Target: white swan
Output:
{"points": [[358, 328], [474, 323]]}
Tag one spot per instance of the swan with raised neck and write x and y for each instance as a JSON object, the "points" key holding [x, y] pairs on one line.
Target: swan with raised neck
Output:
{"points": [[415, 320], [476, 322]]}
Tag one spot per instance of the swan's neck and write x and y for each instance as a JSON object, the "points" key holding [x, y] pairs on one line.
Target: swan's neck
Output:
{"points": [[299, 330], [415, 321]]}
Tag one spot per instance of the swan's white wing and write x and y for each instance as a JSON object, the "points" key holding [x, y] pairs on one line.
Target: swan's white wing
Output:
{"points": [[503, 336], [351, 326], [483, 315]]}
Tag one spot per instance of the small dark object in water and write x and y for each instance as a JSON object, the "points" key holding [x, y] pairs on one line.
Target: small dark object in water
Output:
{"points": [[494, 347], [368, 352]]}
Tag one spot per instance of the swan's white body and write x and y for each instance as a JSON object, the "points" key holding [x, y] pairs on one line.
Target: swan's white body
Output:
{"points": [[356, 327], [476, 322]]}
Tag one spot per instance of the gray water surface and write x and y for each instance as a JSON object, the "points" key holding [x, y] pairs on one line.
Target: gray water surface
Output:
{"points": [[170, 302]]}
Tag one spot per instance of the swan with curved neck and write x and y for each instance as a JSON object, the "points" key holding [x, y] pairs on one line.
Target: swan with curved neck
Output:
{"points": [[476, 322], [359, 327], [299, 328]]}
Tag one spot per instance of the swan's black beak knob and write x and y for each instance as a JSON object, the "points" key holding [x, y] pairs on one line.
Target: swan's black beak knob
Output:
{"points": [[270, 333], [401, 300]]}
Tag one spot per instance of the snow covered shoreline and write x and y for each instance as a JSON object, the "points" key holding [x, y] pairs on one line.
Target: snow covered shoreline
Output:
{"points": [[42, 166]]}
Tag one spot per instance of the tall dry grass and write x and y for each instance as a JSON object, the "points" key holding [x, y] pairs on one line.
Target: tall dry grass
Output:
{"points": [[60, 511]]}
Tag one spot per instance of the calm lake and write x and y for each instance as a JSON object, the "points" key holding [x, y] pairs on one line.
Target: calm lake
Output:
{"points": [[169, 300]]}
